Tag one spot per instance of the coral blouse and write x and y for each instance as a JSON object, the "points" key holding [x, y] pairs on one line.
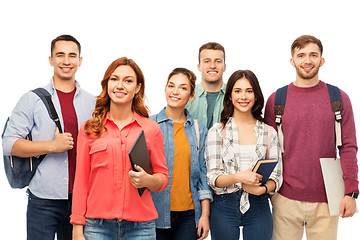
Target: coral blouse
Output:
{"points": [[102, 187]]}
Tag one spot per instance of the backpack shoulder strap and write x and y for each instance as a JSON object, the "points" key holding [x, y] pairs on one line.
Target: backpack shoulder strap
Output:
{"points": [[336, 107], [279, 107], [280, 100], [196, 125], [268, 141], [335, 98], [46, 98]]}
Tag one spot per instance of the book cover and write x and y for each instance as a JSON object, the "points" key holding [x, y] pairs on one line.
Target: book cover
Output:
{"points": [[139, 155], [264, 167]]}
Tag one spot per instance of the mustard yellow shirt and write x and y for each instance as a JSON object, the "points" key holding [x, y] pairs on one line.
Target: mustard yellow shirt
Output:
{"points": [[181, 199]]}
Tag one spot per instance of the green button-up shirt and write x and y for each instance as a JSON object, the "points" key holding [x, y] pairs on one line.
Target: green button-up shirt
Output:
{"points": [[198, 105]]}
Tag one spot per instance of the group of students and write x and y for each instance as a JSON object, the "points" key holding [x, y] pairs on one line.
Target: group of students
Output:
{"points": [[202, 147]]}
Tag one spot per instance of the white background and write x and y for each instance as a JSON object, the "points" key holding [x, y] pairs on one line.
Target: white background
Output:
{"points": [[162, 35]]}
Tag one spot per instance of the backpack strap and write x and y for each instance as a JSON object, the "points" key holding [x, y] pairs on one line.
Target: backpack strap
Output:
{"points": [[268, 142], [279, 107], [45, 96], [336, 107], [196, 125]]}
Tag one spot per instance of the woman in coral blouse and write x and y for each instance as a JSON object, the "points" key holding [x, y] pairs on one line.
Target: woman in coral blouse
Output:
{"points": [[106, 202]]}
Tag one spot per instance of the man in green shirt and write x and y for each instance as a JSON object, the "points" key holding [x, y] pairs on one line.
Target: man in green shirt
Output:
{"points": [[207, 104]]}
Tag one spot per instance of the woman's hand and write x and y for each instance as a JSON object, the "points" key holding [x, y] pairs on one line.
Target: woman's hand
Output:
{"points": [[139, 179], [142, 179], [254, 190], [204, 224], [249, 177], [78, 232]]}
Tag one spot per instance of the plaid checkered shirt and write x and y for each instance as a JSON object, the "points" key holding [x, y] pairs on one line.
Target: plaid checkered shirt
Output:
{"points": [[222, 157]]}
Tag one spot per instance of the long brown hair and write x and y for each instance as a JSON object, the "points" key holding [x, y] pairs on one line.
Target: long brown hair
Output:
{"points": [[256, 110], [95, 125]]}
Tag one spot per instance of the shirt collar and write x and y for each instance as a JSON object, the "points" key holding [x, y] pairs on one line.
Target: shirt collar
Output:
{"points": [[163, 117], [199, 90], [51, 88], [231, 128], [136, 118]]}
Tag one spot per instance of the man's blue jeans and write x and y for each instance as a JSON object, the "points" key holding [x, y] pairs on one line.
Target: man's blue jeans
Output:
{"points": [[226, 218], [45, 217], [105, 229]]}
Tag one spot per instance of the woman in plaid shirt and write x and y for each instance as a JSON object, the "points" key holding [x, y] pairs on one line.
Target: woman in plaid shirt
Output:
{"points": [[232, 148]]}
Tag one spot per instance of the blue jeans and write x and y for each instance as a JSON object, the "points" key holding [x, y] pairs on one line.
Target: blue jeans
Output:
{"points": [[226, 218], [182, 227], [45, 217], [114, 229]]}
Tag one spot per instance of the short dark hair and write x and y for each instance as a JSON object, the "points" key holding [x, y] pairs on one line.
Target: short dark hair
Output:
{"points": [[65, 38], [212, 46], [228, 105], [186, 72], [303, 40]]}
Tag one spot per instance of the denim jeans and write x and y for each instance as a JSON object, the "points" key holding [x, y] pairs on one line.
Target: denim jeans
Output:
{"points": [[226, 218], [114, 229], [45, 217], [182, 227]]}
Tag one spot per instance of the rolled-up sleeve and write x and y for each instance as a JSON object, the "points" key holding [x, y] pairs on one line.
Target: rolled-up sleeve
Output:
{"points": [[157, 155], [20, 122], [275, 152], [81, 184], [204, 189], [214, 163]]}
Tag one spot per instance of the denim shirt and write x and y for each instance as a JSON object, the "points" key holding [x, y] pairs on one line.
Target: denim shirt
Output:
{"points": [[198, 105], [200, 190], [30, 115]]}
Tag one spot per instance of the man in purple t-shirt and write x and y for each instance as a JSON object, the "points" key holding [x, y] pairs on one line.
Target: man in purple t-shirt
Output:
{"points": [[308, 128]]}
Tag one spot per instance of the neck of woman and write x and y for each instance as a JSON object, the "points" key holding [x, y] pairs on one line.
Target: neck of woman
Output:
{"points": [[176, 114], [121, 115], [243, 119]]}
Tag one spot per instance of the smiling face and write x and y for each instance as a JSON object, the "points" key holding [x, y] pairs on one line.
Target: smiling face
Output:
{"points": [[66, 60], [212, 65], [178, 91], [307, 62], [243, 96], [122, 85]]}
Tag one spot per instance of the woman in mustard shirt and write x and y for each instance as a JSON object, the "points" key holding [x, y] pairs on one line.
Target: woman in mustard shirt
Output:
{"points": [[183, 206], [106, 202]]}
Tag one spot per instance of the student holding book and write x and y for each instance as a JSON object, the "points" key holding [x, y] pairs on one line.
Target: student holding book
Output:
{"points": [[106, 202], [183, 206], [233, 146]]}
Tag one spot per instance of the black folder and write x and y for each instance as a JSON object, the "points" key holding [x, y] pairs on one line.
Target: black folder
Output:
{"points": [[139, 155]]}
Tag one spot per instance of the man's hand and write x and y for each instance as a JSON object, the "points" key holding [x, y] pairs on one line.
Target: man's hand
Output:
{"points": [[347, 207], [62, 141]]}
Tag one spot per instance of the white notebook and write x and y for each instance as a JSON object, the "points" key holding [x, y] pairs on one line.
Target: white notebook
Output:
{"points": [[334, 183]]}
